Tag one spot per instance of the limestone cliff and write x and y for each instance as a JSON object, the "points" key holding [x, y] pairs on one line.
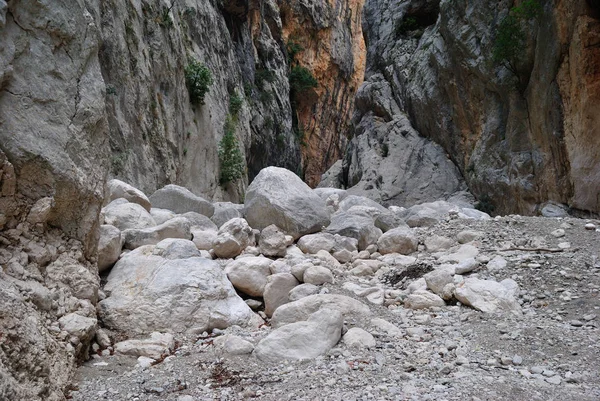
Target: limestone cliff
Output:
{"points": [[519, 138], [334, 52]]}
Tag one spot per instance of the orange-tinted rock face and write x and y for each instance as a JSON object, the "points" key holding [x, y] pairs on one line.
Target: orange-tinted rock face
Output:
{"points": [[579, 81], [334, 51]]}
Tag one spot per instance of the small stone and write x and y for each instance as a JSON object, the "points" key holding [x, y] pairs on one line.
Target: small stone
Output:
{"points": [[505, 360], [564, 245], [525, 373], [536, 369], [462, 360], [576, 323], [517, 360], [558, 233], [144, 362], [590, 226], [491, 362], [554, 379], [589, 317], [548, 373]]}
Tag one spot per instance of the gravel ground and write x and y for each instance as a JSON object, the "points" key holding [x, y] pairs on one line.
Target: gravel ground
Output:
{"points": [[448, 353]]}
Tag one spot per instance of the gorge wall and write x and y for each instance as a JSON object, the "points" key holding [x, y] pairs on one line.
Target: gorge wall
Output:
{"points": [[518, 139], [95, 89]]}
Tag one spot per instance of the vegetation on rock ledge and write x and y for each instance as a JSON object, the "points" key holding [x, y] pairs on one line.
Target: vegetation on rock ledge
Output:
{"points": [[198, 79]]}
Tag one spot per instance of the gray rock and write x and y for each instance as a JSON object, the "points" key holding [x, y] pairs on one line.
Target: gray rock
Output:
{"points": [[300, 310], [225, 211], [233, 237], [299, 269], [272, 241], [158, 346], [84, 328], [302, 340], [466, 266], [199, 221], [249, 274], [352, 201], [386, 327], [388, 221], [359, 338], [314, 243], [398, 240], [178, 227], [436, 280], [436, 243], [278, 196], [317, 275], [109, 246], [175, 248], [204, 239], [423, 299], [497, 263], [553, 209], [359, 226], [302, 291], [326, 192], [180, 200], [147, 293], [235, 345], [118, 189], [41, 210], [161, 215], [125, 215], [277, 289], [467, 236], [489, 296]]}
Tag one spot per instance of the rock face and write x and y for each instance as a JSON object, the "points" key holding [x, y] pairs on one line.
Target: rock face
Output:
{"points": [[150, 293], [519, 138], [335, 56], [277, 196]]}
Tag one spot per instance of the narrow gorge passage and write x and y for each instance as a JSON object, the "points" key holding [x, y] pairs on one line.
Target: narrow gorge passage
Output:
{"points": [[299, 200]]}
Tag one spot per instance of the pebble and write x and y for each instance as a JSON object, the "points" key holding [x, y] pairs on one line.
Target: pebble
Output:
{"points": [[590, 226], [517, 360], [558, 233], [537, 369], [587, 318], [576, 323]]}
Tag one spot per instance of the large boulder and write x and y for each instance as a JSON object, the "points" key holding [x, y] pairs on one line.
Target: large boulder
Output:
{"points": [[233, 237], [149, 291], [304, 307], [249, 274], [109, 246], [489, 296], [125, 215], [178, 227], [278, 196], [116, 189], [398, 240], [302, 340], [181, 200]]}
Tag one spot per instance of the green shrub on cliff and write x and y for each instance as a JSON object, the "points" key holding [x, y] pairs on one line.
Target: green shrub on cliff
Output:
{"points": [[198, 79], [231, 161], [509, 46], [301, 79]]}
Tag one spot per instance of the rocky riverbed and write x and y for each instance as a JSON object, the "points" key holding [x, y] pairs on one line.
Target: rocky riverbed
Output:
{"points": [[435, 302]]}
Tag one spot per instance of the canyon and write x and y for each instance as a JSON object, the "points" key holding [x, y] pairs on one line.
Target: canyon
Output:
{"points": [[403, 103]]}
